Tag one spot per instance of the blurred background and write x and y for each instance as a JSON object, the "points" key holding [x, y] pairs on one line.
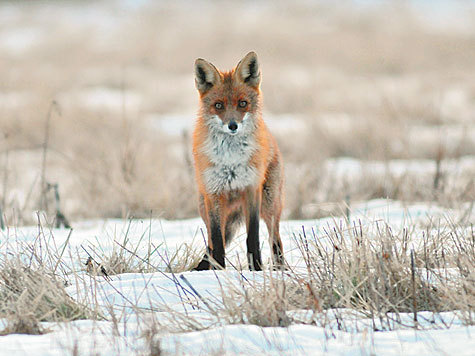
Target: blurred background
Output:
{"points": [[368, 99]]}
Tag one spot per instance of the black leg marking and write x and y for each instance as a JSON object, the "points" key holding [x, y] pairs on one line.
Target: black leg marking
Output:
{"points": [[253, 248], [217, 239], [278, 256], [204, 264]]}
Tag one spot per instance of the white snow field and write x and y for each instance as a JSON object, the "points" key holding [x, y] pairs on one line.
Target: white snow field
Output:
{"points": [[133, 302]]}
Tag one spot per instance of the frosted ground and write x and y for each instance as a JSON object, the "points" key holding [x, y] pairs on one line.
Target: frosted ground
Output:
{"points": [[132, 297]]}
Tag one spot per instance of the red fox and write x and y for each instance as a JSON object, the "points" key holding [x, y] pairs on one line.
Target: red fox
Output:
{"points": [[238, 165]]}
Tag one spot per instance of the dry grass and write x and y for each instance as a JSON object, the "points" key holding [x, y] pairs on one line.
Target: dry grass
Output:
{"points": [[33, 280], [123, 257], [185, 258], [139, 256], [327, 192], [366, 270], [31, 295], [347, 274]]}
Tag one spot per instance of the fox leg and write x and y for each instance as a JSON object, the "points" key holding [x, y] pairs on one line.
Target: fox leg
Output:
{"points": [[214, 220], [252, 209], [275, 242], [204, 263], [271, 210], [216, 226]]}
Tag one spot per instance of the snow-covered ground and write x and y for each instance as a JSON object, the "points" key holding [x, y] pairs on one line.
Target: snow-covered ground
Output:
{"points": [[134, 296], [97, 338]]}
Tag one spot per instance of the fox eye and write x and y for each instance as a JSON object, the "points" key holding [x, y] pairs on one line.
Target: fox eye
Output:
{"points": [[218, 105], [242, 103]]}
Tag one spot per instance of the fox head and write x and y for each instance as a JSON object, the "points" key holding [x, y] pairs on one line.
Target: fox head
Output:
{"points": [[230, 101]]}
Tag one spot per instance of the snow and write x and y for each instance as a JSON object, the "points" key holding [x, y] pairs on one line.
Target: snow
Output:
{"points": [[133, 295], [103, 98], [18, 41], [446, 136], [309, 340], [104, 235], [246, 340], [350, 167]]}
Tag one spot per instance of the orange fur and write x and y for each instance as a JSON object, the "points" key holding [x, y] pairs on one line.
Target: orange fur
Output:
{"points": [[262, 196]]}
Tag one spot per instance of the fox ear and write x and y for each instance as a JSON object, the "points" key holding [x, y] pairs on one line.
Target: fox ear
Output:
{"points": [[206, 75], [248, 71]]}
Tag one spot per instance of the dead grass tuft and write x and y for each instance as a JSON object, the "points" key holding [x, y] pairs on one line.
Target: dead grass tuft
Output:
{"points": [[31, 295], [185, 258], [378, 272], [22, 323], [370, 270]]}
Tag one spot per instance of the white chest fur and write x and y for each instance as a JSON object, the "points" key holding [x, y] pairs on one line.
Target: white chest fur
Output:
{"points": [[230, 157]]}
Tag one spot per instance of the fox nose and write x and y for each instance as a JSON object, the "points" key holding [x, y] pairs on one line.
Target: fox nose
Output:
{"points": [[232, 126]]}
